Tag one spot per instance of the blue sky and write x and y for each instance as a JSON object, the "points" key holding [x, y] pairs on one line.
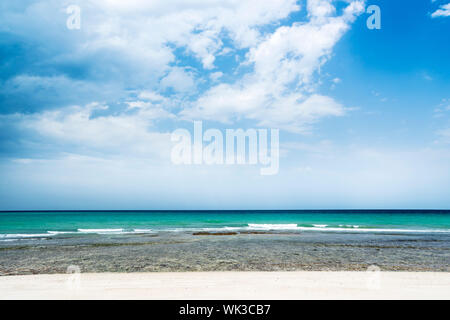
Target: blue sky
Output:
{"points": [[86, 114]]}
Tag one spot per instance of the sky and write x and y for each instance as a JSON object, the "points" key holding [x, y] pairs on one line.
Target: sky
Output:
{"points": [[88, 106]]}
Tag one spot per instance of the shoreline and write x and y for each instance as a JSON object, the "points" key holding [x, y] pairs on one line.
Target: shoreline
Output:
{"points": [[229, 285], [184, 252]]}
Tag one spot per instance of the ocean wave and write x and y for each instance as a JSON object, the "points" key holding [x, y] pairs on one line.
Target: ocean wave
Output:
{"points": [[269, 227], [114, 231], [23, 235], [316, 228], [351, 226], [373, 230], [201, 229], [51, 234], [264, 227], [143, 231], [100, 230], [60, 232], [319, 228]]}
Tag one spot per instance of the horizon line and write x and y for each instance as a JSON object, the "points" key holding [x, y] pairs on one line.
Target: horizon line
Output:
{"points": [[224, 210]]}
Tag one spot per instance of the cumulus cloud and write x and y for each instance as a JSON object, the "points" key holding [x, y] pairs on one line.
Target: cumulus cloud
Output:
{"points": [[133, 44], [280, 89], [179, 80], [151, 64], [443, 11], [79, 130], [158, 60]]}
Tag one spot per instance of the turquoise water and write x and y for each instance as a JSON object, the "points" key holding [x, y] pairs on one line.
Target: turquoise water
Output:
{"points": [[27, 224]]}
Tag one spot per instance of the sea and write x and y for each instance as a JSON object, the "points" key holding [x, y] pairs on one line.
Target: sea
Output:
{"points": [[51, 224], [46, 242]]}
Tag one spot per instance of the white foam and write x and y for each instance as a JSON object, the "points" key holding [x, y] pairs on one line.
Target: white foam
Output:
{"points": [[143, 231], [223, 229], [60, 232], [206, 229], [254, 226], [249, 227], [22, 236], [375, 230], [348, 226], [101, 231], [295, 227]]}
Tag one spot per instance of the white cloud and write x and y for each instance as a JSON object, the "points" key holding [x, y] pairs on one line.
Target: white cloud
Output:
{"points": [[137, 45], [195, 24], [443, 11], [297, 116], [215, 76], [76, 129], [134, 42], [337, 80], [444, 136], [179, 80], [442, 108], [150, 95], [279, 91], [320, 8]]}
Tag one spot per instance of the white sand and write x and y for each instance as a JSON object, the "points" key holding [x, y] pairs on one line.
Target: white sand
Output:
{"points": [[230, 285]]}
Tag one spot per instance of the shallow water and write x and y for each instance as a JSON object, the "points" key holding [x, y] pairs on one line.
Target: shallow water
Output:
{"points": [[216, 241], [263, 252], [17, 225]]}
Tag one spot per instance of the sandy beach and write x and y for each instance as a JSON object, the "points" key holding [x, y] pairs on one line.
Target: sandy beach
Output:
{"points": [[229, 285]]}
